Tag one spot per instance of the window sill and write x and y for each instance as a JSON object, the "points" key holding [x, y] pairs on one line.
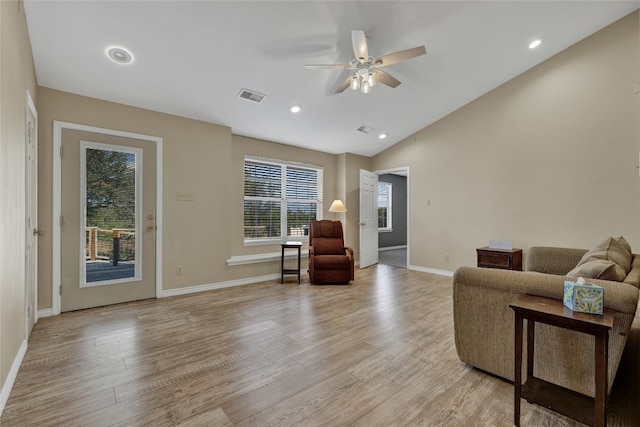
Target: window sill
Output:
{"points": [[266, 257], [274, 241]]}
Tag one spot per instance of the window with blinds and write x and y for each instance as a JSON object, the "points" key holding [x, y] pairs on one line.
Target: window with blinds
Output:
{"points": [[384, 206], [280, 198]]}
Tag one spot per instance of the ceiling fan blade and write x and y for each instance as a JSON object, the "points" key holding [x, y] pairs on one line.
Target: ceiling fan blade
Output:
{"points": [[403, 55], [345, 84], [360, 48], [326, 66], [386, 79]]}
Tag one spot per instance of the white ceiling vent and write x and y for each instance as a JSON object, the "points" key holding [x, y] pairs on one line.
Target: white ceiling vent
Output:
{"points": [[365, 129], [251, 95]]}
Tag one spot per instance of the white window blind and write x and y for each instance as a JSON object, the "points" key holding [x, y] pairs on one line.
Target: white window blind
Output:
{"points": [[280, 198]]}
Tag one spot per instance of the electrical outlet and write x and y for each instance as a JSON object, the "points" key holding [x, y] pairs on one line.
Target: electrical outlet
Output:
{"points": [[179, 270], [446, 257]]}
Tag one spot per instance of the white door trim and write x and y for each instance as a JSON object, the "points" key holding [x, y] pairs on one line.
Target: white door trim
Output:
{"points": [[31, 108], [58, 126]]}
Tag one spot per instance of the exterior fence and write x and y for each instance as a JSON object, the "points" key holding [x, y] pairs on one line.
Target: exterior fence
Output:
{"points": [[118, 244]]}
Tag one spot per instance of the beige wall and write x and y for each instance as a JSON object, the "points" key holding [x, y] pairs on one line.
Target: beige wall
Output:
{"points": [[200, 158], [16, 76], [549, 158]]}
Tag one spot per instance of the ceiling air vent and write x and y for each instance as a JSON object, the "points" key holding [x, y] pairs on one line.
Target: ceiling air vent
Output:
{"points": [[365, 129], [251, 95]]}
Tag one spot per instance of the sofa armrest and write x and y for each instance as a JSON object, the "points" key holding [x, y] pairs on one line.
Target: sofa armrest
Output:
{"points": [[484, 325], [552, 260]]}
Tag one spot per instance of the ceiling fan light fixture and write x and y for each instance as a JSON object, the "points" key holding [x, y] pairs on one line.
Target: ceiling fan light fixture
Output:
{"points": [[371, 79], [355, 82], [365, 87]]}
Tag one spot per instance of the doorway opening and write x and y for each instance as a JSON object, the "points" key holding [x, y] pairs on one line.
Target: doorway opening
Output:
{"points": [[393, 217]]}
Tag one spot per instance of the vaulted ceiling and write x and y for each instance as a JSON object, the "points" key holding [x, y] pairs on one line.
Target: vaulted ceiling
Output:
{"points": [[192, 59]]}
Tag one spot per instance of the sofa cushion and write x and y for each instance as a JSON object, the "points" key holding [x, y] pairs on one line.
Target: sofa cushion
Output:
{"points": [[609, 250], [599, 269]]}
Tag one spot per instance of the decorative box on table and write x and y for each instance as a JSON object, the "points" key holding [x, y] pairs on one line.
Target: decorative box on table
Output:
{"points": [[583, 297]]}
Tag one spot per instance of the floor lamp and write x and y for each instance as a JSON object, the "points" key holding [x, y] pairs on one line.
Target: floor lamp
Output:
{"points": [[337, 206]]}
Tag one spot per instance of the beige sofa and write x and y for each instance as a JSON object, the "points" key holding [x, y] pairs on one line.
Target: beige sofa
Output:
{"points": [[484, 323]]}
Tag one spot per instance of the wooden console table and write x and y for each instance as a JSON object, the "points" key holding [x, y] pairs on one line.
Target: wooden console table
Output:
{"points": [[588, 410]]}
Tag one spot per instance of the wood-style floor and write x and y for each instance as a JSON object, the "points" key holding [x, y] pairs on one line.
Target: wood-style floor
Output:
{"points": [[379, 352]]}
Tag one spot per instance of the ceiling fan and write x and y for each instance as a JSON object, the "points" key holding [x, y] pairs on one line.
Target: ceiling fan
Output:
{"points": [[366, 70]]}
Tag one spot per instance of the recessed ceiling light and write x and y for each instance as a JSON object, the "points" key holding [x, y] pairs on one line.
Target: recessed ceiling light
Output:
{"points": [[119, 55], [295, 108], [534, 44], [382, 136]]}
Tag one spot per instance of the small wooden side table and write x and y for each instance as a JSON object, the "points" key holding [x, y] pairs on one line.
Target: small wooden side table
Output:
{"points": [[289, 245], [507, 259], [588, 410]]}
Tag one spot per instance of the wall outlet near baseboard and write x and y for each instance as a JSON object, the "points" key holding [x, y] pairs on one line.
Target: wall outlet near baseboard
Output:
{"points": [[179, 270], [446, 257]]}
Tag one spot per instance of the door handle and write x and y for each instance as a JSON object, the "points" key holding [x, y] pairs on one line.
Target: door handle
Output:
{"points": [[37, 232]]}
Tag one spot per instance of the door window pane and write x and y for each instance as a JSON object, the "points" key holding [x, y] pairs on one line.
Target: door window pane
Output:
{"points": [[110, 211]]}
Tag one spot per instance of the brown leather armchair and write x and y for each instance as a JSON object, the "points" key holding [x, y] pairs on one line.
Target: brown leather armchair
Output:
{"points": [[330, 261]]}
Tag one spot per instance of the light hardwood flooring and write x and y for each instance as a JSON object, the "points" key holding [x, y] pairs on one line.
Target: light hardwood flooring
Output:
{"points": [[378, 352]]}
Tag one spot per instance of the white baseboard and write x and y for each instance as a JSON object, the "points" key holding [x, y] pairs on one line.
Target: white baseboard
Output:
{"points": [[47, 312], [219, 285], [390, 248], [11, 378], [431, 270]]}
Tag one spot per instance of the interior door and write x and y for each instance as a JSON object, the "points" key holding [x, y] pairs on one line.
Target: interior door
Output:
{"points": [[368, 218], [108, 230], [32, 232]]}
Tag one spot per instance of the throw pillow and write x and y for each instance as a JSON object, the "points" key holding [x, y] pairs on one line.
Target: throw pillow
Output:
{"points": [[599, 269], [624, 244], [609, 250]]}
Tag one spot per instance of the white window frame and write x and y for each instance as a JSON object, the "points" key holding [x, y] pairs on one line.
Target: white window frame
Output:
{"points": [[389, 206], [283, 164]]}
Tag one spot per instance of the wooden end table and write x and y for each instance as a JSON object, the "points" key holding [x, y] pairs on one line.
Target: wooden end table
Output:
{"points": [[289, 245], [506, 259], [588, 410]]}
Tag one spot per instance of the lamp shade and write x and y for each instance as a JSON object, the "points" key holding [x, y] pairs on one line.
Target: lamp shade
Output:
{"points": [[337, 206]]}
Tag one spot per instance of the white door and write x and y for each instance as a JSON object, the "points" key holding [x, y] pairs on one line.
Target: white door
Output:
{"points": [[108, 230], [368, 218], [32, 232]]}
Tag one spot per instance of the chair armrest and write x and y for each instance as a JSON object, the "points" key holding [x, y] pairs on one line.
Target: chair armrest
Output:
{"points": [[348, 251]]}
